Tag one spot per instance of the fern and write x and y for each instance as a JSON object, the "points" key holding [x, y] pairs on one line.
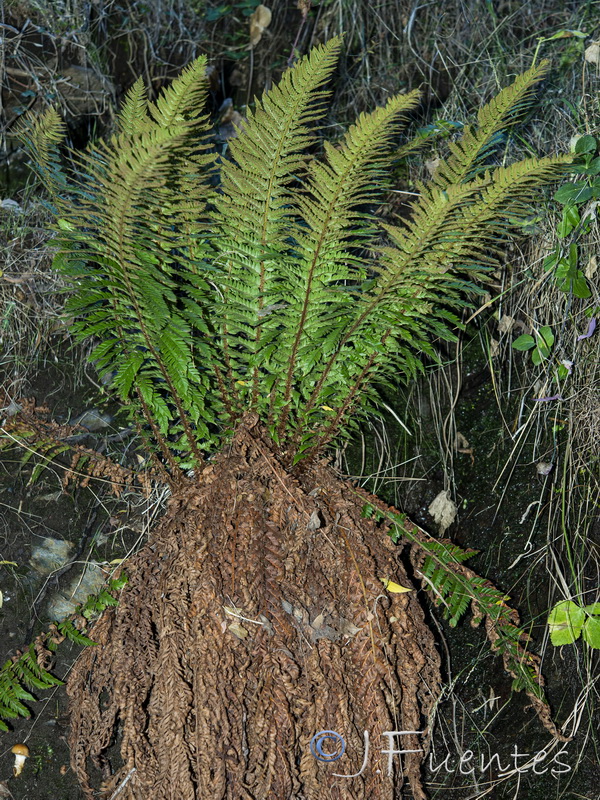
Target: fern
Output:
{"points": [[118, 231], [468, 155], [25, 670], [30, 668], [47, 443], [440, 567], [278, 291]]}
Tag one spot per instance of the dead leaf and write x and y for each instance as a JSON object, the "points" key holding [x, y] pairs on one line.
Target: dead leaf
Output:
{"points": [[239, 76], [395, 588], [432, 164], [304, 7], [300, 614], [592, 53], [544, 467], [591, 267], [230, 122], [443, 510], [314, 523], [348, 628], [260, 19], [506, 324], [318, 622], [238, 630]]}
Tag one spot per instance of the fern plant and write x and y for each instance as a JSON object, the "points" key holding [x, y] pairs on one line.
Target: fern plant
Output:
{"points": [[30, 668], [262, 282], [258, 300]]}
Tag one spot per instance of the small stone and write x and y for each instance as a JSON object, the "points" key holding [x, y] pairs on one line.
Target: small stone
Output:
{"points": [[544, 467]]}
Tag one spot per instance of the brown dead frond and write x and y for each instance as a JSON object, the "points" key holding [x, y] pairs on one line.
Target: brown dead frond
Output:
{"points": [[32, 430], [253, 620]]}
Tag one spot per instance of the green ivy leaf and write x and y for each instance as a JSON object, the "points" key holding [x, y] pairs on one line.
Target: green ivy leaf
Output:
{"points": [[565, 623], [524, 342], [547, 336], [593, 609], [586, 144], [580, 286], [570, 219], [552, 260], [578, 192], [571, 279], [591, 632], [538, 355]]}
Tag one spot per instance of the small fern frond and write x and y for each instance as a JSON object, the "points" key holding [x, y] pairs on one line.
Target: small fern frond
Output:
{"points": [[184, 99], [26, 669], [133, 116], [510, 190], [41, 137], [30, 668], [455, 587], [468, 154]]}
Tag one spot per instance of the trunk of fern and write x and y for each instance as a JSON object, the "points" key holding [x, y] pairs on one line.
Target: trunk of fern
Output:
{"points": [[252, 620]]}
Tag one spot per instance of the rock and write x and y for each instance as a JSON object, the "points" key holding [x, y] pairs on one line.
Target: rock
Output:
{"points": [[50, 555]]}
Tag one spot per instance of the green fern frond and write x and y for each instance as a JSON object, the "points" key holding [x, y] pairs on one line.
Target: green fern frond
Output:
{"points": [[468, 154], [254, 215], [28, 668], [134, 111], [68, 629], [28, 671], [184, 99], [439, 565], [453, 236], [279, 291], [130, 230], [334, 228], [23, 671], [41, 136]]}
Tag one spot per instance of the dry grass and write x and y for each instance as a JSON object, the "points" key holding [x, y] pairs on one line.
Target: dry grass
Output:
{"points": [[30, 299]]}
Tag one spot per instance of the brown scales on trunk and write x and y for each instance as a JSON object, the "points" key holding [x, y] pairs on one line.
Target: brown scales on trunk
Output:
{"points": [[253, 619]]}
